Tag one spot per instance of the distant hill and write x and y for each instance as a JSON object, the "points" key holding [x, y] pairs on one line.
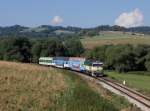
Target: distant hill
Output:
{"points": [[144, 30], [58, 31], [40, 31]]}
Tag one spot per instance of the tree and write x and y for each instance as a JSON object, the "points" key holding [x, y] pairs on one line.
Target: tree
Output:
{"points": [[52, 47], [140, 53], [125, 61], [147, 63], [36, 51], [47, 48], [16, 49], [98, 53], [111, 54], [120, 58], [74, 47]]}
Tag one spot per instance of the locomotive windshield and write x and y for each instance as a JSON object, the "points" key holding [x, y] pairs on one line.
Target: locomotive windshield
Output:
{"points": [[97, 65]]}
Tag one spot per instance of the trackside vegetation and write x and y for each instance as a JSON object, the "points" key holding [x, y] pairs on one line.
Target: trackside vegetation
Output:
{"points": [[35, 88], [134, 80]]}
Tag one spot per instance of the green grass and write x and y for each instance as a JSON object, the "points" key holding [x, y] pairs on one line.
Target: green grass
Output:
{"points": [[107, 38], [135, 80], [80, 97], [83, 97], [28, 87]]}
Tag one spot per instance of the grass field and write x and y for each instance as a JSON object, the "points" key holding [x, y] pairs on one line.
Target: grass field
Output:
{"points": [[138, 82], [106, 38], [27, 87]]}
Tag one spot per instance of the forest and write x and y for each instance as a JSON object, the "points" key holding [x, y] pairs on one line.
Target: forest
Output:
{"points": [[28, 50]]}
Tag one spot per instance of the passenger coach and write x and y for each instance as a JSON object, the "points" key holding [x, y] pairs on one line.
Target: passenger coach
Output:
{"points": [[93, 68]]}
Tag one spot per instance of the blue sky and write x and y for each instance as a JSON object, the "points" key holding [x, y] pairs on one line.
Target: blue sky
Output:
{"points": [[82, 13]]}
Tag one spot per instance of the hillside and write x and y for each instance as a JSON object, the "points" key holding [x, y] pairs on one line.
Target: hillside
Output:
{"points": [[115, 37], [59, 31], [36, 88], [37, 32]]}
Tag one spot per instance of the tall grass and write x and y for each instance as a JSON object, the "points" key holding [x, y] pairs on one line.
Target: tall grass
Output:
{"points": [[26, 87]]}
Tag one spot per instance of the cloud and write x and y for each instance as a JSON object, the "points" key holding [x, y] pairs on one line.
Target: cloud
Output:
{"points": [[130, 19], [56, 20]]}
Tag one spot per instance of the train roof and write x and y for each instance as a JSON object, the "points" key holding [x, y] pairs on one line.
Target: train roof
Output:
{"points": [[45, 58], [73, 58], [77, 58], [97, 62]]}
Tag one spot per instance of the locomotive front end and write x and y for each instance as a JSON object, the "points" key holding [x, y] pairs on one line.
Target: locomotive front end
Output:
{"points": [[97, 69], [94, 68]]}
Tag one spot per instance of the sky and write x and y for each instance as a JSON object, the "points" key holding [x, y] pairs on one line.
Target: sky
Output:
{"points": [[80, 13]]}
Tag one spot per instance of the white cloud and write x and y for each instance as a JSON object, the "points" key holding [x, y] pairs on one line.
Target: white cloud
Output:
{"points": [[56, 20], [130, 19]]}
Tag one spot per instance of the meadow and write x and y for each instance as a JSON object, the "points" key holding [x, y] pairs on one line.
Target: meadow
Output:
{"points": [[135, 80], [28, 87], [109, 37]]}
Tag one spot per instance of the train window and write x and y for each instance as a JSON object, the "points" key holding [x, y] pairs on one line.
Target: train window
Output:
{"points": [[88, 63], [45, 61], [97, 65]]}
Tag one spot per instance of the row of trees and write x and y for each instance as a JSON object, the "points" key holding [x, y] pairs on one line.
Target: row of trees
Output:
{"points": [[26, 50], [122, 58]]}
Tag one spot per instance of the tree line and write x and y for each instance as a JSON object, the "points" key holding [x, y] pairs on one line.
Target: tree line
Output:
{"points": [[28, 50], [122, 58]]}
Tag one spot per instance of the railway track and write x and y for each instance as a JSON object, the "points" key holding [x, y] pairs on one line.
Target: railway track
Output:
{"points": [[136, 96], [128, 92]]}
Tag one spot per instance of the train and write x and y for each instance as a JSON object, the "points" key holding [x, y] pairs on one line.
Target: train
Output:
{"points": [[80, 64]]}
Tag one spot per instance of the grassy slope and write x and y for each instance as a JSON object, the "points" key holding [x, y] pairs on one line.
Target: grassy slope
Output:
{"points": [[107, 38], [29, 87], [138, 82]]}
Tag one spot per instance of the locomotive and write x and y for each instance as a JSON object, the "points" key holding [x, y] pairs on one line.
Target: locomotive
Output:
{"points": [[93, 68]]}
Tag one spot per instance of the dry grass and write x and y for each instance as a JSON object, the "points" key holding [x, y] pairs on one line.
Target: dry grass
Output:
{"points": [[28, 87]]}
